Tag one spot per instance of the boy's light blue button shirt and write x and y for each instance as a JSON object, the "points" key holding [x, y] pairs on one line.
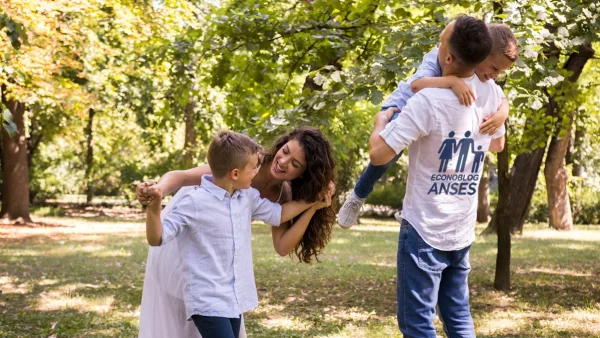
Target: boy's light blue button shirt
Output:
{"points": [[213, 230], [430, 67]]}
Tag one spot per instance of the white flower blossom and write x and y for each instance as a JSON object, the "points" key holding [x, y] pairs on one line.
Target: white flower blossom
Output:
{"points": [[536, 105]]}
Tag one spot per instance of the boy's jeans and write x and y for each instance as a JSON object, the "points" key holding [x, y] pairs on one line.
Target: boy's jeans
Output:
{"points": [[426, 277], [218, 327], [372, 174]]}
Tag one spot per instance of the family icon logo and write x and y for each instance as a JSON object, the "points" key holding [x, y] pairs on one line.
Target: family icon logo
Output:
{"points": [[457, 184], [465, 146]]}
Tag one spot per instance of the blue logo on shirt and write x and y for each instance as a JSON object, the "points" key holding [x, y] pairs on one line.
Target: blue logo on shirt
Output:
{"points": [[460, 184]]}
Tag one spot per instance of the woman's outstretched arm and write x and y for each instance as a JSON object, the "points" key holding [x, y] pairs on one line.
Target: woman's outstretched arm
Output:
{"points": [[170, 182]]}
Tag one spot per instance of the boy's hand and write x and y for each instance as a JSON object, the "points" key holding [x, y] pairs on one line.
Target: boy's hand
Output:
{"points": [[155, 203], [324, 203], [325, 197], [147, 191], [491, 124], [463, 91]]}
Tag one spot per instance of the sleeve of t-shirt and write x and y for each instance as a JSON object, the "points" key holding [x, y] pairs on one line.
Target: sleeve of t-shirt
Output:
{"points": [[499, 93], [265, 210], [429, 67], [498, 88], [181, 216], [416, 121]]}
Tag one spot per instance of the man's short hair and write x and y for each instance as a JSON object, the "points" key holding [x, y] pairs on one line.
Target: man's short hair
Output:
{"points": [[504, 41], [470, 41], [228, 151]]}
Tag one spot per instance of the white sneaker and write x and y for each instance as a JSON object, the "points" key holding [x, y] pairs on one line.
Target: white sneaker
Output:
{"points": [[348, 214]]}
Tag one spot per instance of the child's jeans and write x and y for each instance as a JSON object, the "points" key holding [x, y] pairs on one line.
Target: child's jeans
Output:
{"points": [[426, 277], [218, 327], [372, 174]]}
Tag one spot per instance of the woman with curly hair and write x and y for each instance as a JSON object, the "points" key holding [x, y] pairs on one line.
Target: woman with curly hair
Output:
{"points": [[299, 166]]}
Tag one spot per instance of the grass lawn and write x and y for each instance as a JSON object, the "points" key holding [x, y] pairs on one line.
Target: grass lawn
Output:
{"points": [[84, 279]]}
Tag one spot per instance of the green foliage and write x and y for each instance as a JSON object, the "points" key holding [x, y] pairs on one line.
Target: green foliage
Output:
{"points": [[14, 30], [260, 67]]}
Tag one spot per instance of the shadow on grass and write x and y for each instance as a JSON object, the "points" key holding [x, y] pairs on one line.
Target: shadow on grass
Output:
{"points": [[59, 283], [354, 286]]}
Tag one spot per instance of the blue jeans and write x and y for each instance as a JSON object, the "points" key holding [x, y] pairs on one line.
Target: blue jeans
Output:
{"points": [[218, 327], [428, 277], [372, 174]]}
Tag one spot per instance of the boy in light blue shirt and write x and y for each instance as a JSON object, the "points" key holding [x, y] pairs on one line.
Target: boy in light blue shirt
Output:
{"points": [[214, 225], [429, 75]]}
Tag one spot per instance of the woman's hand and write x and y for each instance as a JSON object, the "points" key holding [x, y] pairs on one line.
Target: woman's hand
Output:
{"points": [[148, 191]]}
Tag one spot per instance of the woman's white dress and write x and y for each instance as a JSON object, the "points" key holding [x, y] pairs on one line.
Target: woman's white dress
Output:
{"points": [[162, 313]]}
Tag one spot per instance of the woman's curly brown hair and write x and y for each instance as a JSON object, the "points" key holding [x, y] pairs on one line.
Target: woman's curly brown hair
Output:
{"points": [[320, 170]]}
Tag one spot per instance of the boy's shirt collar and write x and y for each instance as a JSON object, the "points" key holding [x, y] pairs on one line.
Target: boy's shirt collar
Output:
{"points": [[218, 192]]}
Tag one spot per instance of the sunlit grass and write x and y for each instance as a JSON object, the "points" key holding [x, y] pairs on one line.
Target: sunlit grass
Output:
{"points": [[84, 278]]}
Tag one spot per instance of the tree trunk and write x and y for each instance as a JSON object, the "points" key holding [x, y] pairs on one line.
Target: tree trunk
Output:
{"points": [[524, 175], [483, 206], [526, 167], [557, 179], [15, 189], [190, 143], [89, 161], [501, 223], [576, 155], [559, 205], [1, 170]]}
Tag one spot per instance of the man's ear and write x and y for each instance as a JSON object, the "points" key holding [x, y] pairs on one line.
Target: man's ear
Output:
{"points": [[449, 58], [234, 174]]}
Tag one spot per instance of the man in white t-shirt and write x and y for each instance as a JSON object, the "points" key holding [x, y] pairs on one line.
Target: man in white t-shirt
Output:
{"points": [[439, 211]]}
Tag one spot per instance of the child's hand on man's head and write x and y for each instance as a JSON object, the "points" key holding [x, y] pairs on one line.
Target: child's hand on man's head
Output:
{"points": [[463, 91], [491, 124]]}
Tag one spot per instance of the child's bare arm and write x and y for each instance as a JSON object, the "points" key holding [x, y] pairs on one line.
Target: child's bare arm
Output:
{"points": [[497, 145], [460, 88], [496, 120], [153, 223], [287, 236], [292, 209]]}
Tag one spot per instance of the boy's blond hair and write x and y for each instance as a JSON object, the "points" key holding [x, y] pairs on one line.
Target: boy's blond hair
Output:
{"points": [[230, 150], [504, 41]]}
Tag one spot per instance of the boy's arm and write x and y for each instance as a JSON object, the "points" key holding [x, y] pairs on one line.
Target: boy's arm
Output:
{"points": [[493, 122], [294, 208], [161, 232], [460, 88], [169, 182], [153, 224], [286, 236], [429, 67], [497, 145]]}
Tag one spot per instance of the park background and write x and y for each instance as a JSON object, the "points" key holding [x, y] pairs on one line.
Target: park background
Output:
{"points": [[100, 95]]}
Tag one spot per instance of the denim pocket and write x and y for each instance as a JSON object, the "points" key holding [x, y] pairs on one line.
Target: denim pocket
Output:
{"points": [[464, 258], [431, 259], [404, 225]]}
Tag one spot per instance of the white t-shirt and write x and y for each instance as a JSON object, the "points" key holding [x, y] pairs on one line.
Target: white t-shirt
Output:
{"points": [[446, 154]]}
